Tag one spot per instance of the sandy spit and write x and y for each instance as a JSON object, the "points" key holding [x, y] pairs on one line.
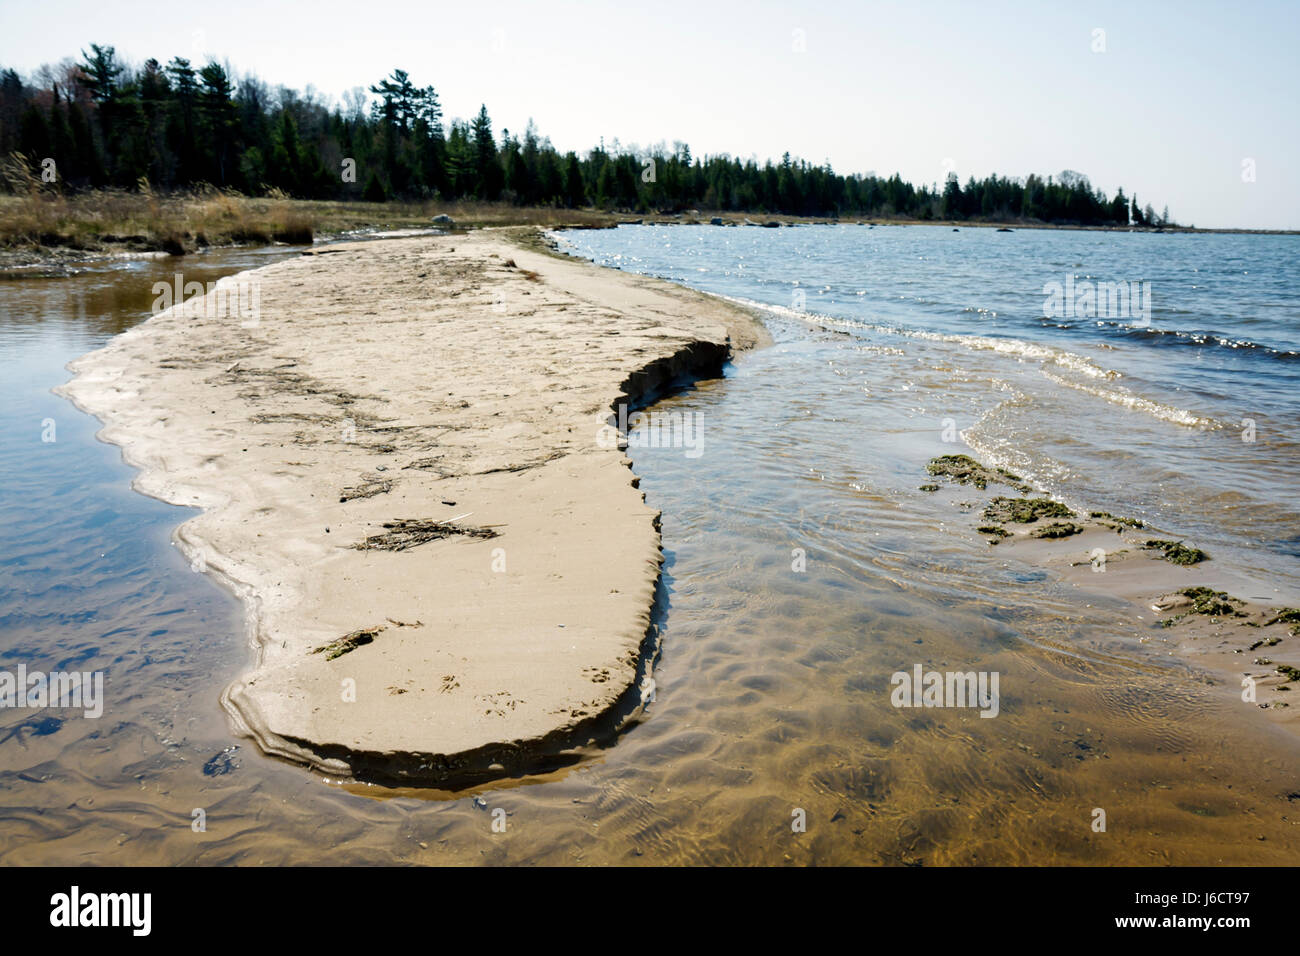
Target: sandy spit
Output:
{"points": [[452, 388]]}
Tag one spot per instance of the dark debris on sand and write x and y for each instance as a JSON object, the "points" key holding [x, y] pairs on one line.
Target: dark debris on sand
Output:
{"points": [[348, 642], [965, 470], [1025, 510], [1175, 552], [411, 532]]}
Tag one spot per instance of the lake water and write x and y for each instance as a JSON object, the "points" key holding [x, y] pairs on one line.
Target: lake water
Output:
{"points": [[1145, 415], [772, 704]]}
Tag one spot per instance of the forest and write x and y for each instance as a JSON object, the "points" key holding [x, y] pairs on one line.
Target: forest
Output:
{"points": [[98, 122]]}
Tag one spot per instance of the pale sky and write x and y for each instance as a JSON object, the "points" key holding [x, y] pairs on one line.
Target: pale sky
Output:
{"points": [[1178, 97]]}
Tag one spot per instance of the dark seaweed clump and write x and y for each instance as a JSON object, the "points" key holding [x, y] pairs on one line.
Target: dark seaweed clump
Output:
{"points": [[1057, 529], [1208, 602], [1176, 552], [1025, 510], [965, 470], [223, 763], [1288, 615], [348, 642], [410, 532], [1212, 603], [1115, 521]]}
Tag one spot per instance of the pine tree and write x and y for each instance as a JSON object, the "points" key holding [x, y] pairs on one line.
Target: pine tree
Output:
{"points": [[952, 198], [1119, 208], [218, 121], [486, 168], [181, 121], [575, 193], [99, 72], [374, 191]]}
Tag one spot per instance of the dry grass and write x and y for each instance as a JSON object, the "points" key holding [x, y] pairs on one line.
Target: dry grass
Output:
{"points": [[182, 222], [39, 217], [339, 217], [36, 215], [40, 220]]}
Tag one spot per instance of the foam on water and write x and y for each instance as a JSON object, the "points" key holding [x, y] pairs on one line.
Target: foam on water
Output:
{"points": [[772, 691]]}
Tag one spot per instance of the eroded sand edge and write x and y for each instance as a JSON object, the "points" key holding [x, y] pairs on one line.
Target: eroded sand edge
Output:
{"points": [[457, 383]]}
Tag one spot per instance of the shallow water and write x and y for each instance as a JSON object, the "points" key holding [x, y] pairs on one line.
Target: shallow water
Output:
{"points": [[1184, 416], [773, 684]]}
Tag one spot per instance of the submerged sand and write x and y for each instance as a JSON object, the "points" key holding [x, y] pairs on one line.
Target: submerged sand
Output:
{"points": [[1210, 615], [446, 572]]}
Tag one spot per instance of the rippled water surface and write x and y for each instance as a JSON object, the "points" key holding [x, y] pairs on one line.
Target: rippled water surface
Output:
{"points": [[773, 699], [1144, 413]]}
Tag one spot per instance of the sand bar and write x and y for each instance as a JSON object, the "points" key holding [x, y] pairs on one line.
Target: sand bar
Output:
{"points": [[446, 573]]}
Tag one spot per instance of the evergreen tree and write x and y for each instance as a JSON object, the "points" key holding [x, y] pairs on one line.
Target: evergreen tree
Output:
{"points": [[952, 198], [1119, 208], [107, 122], [487, 171], [218, 122], [374, 191], [575, 193], [99, 73], [181, 130]]}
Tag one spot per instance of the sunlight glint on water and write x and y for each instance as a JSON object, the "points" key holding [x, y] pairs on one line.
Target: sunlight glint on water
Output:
{"points": [[772, 686]]}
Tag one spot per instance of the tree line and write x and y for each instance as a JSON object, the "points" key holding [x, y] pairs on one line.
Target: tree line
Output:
{"points": [[177, 125]]}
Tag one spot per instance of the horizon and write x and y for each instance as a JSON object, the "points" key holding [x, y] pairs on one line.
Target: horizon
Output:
{"points": [[1228, 170]]}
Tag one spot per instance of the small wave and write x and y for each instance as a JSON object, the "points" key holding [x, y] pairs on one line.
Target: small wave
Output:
{"points": [[1116, 394], [1036, 470], [1157, 336], [1202, 338], [1007, 346], [1121, 396], [1017, 347]]}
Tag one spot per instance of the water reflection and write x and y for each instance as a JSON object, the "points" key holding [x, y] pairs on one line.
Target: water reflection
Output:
{"points": [[773, 685]]}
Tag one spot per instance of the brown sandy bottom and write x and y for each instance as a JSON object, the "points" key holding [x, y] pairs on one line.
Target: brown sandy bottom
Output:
{"points": [[764, 708], [775, 711], [772, 697], [1244, 632]]}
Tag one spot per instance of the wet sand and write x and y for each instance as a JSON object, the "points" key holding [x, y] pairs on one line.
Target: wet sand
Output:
{"points": [[772, 687], [1211, 615], [445, 572]]}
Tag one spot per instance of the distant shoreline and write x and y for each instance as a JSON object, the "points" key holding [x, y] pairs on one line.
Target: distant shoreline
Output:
{"points": [[54, 233]]}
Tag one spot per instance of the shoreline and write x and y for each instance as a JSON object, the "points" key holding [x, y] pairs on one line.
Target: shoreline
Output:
{"points": [[453, 639], [697, 353], [53, 260]]}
